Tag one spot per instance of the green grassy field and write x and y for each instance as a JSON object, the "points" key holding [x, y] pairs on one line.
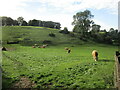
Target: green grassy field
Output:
{"points": [[52, 67]]}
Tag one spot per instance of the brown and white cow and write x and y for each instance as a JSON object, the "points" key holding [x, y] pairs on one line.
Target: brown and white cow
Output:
{"points": [[66, 48], [95, 55]]}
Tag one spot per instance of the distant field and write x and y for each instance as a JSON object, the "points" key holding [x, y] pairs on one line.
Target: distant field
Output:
{"points": [[53, 67]]}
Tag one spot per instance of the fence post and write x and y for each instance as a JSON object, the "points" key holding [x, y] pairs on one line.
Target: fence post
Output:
{"points": [[117, 70]]}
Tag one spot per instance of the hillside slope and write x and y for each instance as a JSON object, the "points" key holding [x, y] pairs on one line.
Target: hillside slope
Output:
{"points": [[30, 35]]}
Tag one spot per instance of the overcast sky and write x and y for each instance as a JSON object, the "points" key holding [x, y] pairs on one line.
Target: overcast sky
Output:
{"points": [[105, 11]]}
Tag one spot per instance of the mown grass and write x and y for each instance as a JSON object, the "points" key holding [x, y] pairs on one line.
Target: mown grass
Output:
{"points": [[53, 67]]}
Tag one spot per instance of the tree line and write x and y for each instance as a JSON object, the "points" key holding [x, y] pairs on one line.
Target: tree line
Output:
{"points": [[8, 21], [86, 28]]}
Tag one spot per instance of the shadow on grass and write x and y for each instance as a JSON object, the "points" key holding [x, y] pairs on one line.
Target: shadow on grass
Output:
{"points": [[6, 82], [105, 60]]}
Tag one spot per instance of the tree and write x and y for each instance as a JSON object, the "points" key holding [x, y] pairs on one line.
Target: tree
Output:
{"points": [[114, 34], [95, 28], [15, 23], [57, 25], [49, 24], [111, 30], [103, 30], [24, 23], [7, 21], [82, 22], [65, 31], [20, 20], [33, 22], [40, 23]]}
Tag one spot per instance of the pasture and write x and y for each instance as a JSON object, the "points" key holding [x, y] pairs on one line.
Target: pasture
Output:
{"points": [[29, 35], [53, 67]]}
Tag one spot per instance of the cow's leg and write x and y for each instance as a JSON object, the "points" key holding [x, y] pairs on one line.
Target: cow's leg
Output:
{"points": [[97, 58], [94, 58]]}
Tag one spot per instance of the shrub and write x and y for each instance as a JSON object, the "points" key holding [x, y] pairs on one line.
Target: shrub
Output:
{"points": [[64, 31], [12, 42], [47, 42], [72, 34], [51, 34]]}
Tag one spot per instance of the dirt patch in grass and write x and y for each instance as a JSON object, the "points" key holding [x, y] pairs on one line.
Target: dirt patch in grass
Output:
{"points": [[11, 49], [24, 82]]}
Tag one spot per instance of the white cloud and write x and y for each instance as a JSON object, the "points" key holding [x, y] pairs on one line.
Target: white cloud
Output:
{"points": [[104, 25], [65, 9], [12, 8], [65, 5], [70, 6], [64, 19]]}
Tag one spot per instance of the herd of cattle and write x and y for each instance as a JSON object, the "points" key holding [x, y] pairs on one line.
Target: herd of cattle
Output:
{"points": [[94, 52], [36, 45]]}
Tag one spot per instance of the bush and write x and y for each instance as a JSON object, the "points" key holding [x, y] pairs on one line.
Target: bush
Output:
{"points": [[65, 31], [72, 34], [12, 42], [51, 34], [47, 42]]}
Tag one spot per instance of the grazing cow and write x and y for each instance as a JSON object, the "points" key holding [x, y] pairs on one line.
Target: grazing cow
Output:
{"points": [[4, 49], [66, 48], [33, 46], [95, 55], [46, 44], [69, 50], [42, 46]]}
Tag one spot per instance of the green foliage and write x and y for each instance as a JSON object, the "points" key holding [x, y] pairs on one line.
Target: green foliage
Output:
{"points": [[64, 31], [33, 22], [7, 21], [72, 34], [49, 24], [20, 20], [82, 22], [95, 29], [51, 34], [24, 23], [47, 42], [102, 36]]}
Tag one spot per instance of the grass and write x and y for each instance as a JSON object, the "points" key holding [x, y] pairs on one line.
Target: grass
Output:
{"points": [[53, 67], [35, 34]]}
